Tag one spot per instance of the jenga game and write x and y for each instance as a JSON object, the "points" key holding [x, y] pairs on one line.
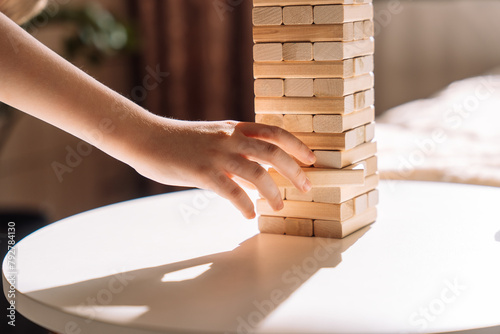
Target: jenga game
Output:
{"points": [[313, 70]]}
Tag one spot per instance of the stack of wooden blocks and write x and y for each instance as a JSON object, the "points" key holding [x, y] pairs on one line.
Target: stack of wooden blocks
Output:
{"points": [[313, 69]]}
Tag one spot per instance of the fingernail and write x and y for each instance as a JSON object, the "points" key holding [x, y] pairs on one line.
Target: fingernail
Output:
{"points": [[311, 157], [307, 185]]}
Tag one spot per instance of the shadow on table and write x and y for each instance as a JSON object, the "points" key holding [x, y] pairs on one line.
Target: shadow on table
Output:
{"points": [[234, 290]]}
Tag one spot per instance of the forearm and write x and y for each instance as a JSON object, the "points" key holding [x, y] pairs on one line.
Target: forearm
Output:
{"points": [[39, 82]]}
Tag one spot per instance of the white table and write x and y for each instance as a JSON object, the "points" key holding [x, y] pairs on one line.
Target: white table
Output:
{"points": [[189, 263]]}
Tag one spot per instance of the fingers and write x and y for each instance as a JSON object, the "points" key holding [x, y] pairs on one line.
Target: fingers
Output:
{"points": [[222, 185], [258, 176], [268, 153], [277, 136]]}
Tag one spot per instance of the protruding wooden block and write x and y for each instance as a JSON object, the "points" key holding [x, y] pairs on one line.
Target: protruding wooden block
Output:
{"points": [[268, 87], [299, 87], [363, 65], [331, 14], [342, 194], [321, 177], [341, 123], [258, 3], [359, 30], [370, 165], [304, 33], [364, 99], [340, 159], [299, 227], [289, 105], [342, 87], [339, 230], [369, 132], [298, 51], [309, 210], [267, 16], [305, 69], [273, 225], [268, 52], [360, 204], [333, 141], [270, 119], [293, 194], [373, 198], [343, 50], [293, 15], [298, 123], [369, 29]]}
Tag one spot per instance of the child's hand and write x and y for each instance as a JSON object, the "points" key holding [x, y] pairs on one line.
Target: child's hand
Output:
{"points": [[211, 155]]}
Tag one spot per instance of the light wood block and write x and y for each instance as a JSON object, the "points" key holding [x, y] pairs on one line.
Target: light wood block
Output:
{"points": [[268, 52], [341, 123], [331, 14], [342, 87], [359, 30], [306, 33], [270, 119], [360, 204], [293, 15], [309, 210], [369, 165], [268, 87], [333, 141], [369, 29], [273, 225], [369, 132], [305, 69], [342, 194], [339, 230], [321, 177], [363, 65], [288, 105], [297, 51], [299, 227], [293, 194], [364, 99], [340, 159], [267, 16], [343, 50], [258, 3], [298, 123], [299, 87], [373, 198]]}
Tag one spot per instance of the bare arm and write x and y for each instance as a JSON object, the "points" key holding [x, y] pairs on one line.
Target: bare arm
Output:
{"points": [[202, 154]]}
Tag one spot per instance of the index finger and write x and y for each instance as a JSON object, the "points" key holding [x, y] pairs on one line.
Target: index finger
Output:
{"points": [[279, 137]]}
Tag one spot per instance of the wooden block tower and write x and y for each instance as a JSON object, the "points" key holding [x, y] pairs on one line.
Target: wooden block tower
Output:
{"points": [[313, 70]]}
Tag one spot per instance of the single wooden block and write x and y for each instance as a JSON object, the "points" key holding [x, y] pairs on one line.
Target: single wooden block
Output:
{"points": [[298, 123], [309, 210], [359, 30], [342, 86], [305, 69], [339, 230], [299, 87], [341, 123], [363, 65], [360, 204], [270, 119], [373, 198], [364, 99], [305, 33], [321, 177], [343, 50], [258, 3], [332, 14], [342, 194], [273, 225], [370, 165], [267, 16], [333, 141], [268, 52], [268, 87], [289, 105], [297, 51], [340, 159], [369, 132], [299, 227], [297, 15], [369, 29], [293, 194]]}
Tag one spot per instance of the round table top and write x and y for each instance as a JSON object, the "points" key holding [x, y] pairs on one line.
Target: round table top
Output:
{"points": [[188, 262]]}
